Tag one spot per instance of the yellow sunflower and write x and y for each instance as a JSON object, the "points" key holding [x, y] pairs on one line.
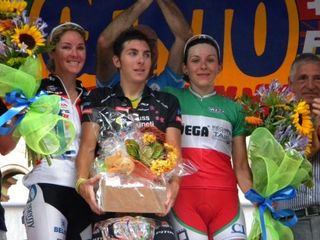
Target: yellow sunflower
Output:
{"points": [[12, 6], [28, 37], [301, 119]]}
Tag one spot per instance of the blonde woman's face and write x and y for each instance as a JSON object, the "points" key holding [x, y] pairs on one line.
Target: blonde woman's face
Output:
{"points": [[70, 54]]}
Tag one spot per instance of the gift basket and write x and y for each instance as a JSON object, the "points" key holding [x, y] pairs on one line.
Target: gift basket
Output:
{"points": [[281, 133], [136, 164], [21, 42]]}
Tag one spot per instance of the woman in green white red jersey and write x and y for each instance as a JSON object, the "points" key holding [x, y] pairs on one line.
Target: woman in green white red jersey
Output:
{"points": [[207, 206]]}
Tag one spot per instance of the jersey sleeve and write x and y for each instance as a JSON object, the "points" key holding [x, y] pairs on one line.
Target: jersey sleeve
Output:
{"points": [[239, 127], [90, 105], [174, 112]]}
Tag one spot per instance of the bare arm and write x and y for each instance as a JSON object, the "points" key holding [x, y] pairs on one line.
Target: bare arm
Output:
{"points": [[179, 28], [173, 137], [105, 68], [84, 160], [7, 144], [240, 163]]}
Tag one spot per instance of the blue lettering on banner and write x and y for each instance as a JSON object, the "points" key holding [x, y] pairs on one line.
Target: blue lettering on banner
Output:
{"points": [[243, 47]]}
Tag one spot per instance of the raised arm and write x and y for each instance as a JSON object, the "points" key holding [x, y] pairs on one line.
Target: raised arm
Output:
{"points": [[179, 28], [105, 68]]}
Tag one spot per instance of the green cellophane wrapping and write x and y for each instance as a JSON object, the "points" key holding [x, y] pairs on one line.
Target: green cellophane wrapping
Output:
{"points": [[26, 79], [44, 131], [273, 169]]}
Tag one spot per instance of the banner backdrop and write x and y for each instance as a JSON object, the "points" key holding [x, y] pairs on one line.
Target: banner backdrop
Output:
{"points": [[259, 39]]}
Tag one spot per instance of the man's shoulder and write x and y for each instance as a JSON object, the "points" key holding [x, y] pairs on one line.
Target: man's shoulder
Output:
{"points": [[167, 78]]}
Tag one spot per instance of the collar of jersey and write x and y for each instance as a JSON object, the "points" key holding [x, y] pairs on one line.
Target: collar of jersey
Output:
{"points": [[202, 97], [57, 80], [119, 92]]}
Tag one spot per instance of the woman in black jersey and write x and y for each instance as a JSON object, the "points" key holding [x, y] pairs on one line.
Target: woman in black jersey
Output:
{"points": [[132, 57]]}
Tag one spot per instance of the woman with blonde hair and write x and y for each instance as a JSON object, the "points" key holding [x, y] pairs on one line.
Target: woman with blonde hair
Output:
{"points": [[54, 209]]}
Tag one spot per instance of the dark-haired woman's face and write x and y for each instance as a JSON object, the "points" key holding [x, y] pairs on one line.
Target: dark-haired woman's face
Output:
{"points": [[70, 54], [202, 65], [134, 62]]}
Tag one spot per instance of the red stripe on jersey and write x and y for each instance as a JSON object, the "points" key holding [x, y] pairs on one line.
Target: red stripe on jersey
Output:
{"points": [[215, 170]]}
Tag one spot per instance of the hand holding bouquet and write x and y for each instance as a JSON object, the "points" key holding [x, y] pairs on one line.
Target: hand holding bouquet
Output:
{"points": [[281, 134], [136, 165]]}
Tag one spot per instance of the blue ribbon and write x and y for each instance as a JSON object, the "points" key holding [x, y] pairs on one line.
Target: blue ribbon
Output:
{"points": [[19, 102], [266, 203]]}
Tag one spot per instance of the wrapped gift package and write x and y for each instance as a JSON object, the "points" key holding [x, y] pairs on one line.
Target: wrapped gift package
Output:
{"points": [[124, 228], [126, 193]]}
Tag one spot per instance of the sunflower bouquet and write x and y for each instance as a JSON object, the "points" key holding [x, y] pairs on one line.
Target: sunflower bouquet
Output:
{"points": [[21, 42], [281, 133]]}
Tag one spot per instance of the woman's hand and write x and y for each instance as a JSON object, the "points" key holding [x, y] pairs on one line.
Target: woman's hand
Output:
{"points": [[172, 192], [86, 190]]}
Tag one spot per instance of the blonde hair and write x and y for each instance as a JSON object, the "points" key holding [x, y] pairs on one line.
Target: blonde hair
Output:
{"points": [[55, 37]]}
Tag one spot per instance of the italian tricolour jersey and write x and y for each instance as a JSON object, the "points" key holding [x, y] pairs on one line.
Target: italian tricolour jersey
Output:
{"points": [[209, 125]]}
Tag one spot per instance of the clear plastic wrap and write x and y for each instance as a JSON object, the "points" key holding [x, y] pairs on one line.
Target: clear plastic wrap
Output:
{"points": [[125, 228], [136, 164]]}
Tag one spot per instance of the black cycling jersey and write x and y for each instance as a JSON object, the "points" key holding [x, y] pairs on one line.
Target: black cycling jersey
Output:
{"points": [[158, 109]]}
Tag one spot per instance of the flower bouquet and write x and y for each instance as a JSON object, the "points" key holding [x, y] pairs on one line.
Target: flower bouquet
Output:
{"points": [[136, 164], [21, 41], [281, 133]]}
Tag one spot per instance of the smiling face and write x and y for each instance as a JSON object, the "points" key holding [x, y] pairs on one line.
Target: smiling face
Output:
{"points": [[202, 67], [69, 54], [134, 62], [305, 83]]}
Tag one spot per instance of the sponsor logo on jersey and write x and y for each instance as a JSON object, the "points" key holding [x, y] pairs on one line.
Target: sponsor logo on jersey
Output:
{"points": [[221, 133], [195, 130], [28, 218], [87, 111], [122, 109], [238, 228], [215, 110], [52, 88], [32, 193], [144, 118], [146, 124], [182, 234], [60, 229]]}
